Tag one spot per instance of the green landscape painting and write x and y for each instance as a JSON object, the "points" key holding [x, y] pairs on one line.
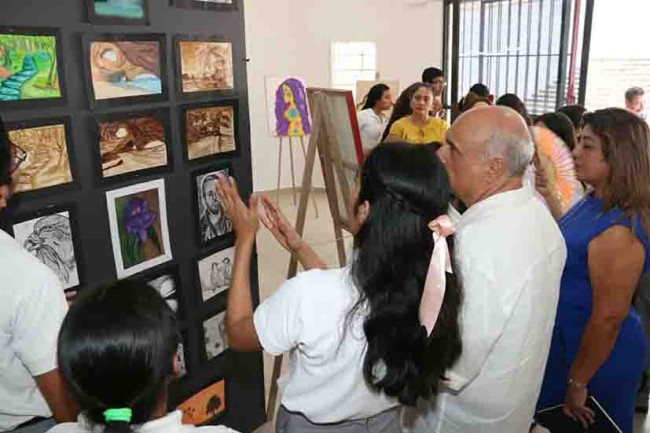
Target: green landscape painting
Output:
{"points": [[129, 9], [28, 67]]}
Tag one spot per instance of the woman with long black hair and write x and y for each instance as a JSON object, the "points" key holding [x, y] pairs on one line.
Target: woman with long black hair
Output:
{"points": [[372, 118], [375, 334]]}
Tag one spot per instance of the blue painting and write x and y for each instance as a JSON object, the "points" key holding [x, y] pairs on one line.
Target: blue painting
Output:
{"points": [[127, 9]]}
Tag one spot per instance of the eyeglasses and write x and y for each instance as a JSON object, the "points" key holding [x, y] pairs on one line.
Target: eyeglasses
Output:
{"points": [[440, 82]]}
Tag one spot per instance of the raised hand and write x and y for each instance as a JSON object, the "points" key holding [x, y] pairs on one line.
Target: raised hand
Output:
{"points": [[279, 226], [245, 219]]}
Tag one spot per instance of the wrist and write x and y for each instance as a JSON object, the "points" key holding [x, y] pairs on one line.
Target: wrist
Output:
{"points": [[576, 384], [299, 248], [245, 240]]}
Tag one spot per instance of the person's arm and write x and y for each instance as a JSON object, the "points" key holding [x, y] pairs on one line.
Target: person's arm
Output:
{"points": [[541, 185], [57, 396]]}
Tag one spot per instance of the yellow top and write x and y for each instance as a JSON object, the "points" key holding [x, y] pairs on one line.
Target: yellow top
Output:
{"points": [[411, 133]]}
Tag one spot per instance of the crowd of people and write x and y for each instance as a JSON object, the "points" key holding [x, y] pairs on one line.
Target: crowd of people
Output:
{"points": [[471, 299]]}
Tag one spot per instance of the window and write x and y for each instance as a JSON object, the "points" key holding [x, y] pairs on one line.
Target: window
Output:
{"points": [[352, 62]]}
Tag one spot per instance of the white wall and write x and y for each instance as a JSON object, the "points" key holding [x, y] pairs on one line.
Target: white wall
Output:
{"points": [[293, 37]]}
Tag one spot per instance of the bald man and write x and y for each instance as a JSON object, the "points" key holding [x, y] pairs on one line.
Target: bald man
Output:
{"points": [[510, 256]]}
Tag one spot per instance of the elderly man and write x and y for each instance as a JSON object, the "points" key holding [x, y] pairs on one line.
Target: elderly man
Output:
{"points": [[510, 255]]}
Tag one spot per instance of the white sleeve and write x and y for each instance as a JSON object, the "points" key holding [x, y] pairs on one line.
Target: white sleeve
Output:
{"points": [[37, 321]]}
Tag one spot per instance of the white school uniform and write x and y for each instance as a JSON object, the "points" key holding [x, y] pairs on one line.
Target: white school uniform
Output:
{"points": [[371, 128]]}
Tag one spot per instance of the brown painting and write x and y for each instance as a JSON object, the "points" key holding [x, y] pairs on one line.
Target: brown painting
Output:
{"points": [[206, 66], [44, 158], [131, 145], [209, 131], [205, 405]]}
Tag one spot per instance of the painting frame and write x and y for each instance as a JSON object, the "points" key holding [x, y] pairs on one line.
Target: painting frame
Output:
{"points": [[203, 5], [88, 39], [205, 385], [166, 255], [66, 121], [205, 357], [172, 269], [71, 209], [42, 102], [162, 114], [230, 102], [95, 18], [217, 298], [230, 236], [178, 67]]}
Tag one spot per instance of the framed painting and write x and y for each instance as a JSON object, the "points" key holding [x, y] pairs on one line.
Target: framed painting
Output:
{"points": [[214, 336], [181, 355], [166, 281], [215, 5], [49, 235], [138, 223], [203, 65], [43, 153], [209, 130], [132, 144], [287, 107], [125, 68], [215, 272], [31, 67], [212, 224], [206, 406], [118, 11]]}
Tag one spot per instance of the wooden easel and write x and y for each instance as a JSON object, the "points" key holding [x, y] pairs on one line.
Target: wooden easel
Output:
{"points": [[324, 140], [293, 175]]}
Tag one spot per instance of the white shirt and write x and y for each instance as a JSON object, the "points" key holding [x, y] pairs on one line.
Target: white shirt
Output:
{"points": [[170, 423], [371, 128], [307, 316], [511, 255], [32, 308]]}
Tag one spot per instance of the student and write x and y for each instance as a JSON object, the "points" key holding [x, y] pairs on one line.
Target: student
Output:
{"points": [[436, 79], [401, 109], [419, 127], [372, 117], [358, 345], [117, 352]]}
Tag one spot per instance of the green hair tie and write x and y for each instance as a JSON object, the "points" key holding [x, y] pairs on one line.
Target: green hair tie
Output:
{"points": [[118, 415]]}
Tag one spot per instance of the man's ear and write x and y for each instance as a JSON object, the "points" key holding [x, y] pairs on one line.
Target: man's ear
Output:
{"points": [[496, 168]]}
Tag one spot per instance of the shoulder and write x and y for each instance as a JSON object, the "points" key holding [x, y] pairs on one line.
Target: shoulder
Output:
{"points": [[617, 239], [213, 429], [311, 284], [400, 125], [33, 274], [364, 114], [436, 122], [68, 427]]}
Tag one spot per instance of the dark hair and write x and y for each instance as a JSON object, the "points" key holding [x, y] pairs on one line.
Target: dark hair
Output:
{"points": [[573, 112], [480, 89], [407, 187], [374, 95], [469, 101], [511, 100], [561, 125], [402, 107], [633, 92], [6, 155], [116, 350], [430, 74]]}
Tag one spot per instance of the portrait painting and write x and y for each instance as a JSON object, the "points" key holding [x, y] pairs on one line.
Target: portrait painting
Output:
{"points": [[288, 109], [205, 66], [132, 142], [206, 4], [205, 405], [29, 65], [118, 11], [215, 272], [209, 131], [139, 231], [167, 284], [214, 336], [213, 222], [180, 357], [41, 150], [50, 239]]}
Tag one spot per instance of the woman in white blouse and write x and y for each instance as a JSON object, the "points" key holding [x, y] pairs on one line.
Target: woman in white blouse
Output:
{"points": [[376, 333], [372, 117]]}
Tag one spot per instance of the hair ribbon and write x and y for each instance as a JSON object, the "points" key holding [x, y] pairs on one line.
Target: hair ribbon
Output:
{"points": [[118, 415]]}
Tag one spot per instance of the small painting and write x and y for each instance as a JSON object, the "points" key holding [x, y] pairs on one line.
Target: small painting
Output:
{"points": [[212, 220], [209, 131], [166, 282], [118, 11], [50, 239], [139, 232], [288, 109], [180, 357], [215, 272], [133, 142], [29, 65], [214, 336], [205, 405], [206, 4], [205, 66], [42, 154]]}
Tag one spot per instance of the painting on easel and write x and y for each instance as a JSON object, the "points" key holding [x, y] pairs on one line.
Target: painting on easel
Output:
{"points": [[287, 107]]}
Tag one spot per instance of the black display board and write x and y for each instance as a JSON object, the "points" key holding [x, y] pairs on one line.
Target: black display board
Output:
{"points": [[243, 373]]}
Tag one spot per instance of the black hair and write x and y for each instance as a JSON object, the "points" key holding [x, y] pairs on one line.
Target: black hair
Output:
{"points": [[480, 89], [116, 350], [430, 74], [573, 112], [6, 155], [374, 95], [402, 107], [561, 126], [633, 92], [511, 100], [406, 187]]}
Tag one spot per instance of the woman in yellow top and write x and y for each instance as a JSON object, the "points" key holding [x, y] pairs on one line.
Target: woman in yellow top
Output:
{"points": [[419, 127]]}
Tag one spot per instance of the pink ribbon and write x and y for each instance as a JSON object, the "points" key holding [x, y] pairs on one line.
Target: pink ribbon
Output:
{"points": [[435, 284]]}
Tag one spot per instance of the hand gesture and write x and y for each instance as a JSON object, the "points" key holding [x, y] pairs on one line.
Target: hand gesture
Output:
{"points": [[275, 222], [576, 406], [245, 219]]}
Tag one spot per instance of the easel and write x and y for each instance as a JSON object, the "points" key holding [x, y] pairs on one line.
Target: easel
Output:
{"points": [[293, 175], [324, 140]]}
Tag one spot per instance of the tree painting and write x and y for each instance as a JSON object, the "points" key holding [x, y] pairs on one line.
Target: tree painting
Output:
{"points": [[205, 405], [214, 405], [28, 67]]}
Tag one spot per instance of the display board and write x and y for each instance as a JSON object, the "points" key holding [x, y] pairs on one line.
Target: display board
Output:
{"points": [[121, 113]]}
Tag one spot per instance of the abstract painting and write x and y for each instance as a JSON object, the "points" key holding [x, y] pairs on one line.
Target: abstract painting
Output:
{"points": [[213, 222], [206, 66], [209, 131], [44, 161], [214, 336], [29, 65], [215, 272], [205, 405], [287, 106], [118, 11], [49, 238], [167, 285], [139, 231], [132, 142], [206, 4]]}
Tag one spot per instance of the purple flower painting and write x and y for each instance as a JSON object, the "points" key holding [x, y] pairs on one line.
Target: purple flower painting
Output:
{"points": [[138, 218]]}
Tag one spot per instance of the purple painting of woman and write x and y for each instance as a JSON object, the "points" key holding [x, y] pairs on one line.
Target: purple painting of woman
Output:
{"points": [[291, 113]]}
